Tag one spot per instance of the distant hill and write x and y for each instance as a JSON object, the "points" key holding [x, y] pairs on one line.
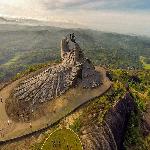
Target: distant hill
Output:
{"points": [[24, 45], [34, 22], [19, 21], [2, 19]]}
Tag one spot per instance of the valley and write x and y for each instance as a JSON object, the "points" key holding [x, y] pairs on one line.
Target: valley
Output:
{"points": [[23, 46], [120, 59]]}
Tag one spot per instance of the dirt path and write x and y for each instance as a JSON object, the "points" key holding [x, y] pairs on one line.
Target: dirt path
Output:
{"points": [[57, 109], [4, 94]]}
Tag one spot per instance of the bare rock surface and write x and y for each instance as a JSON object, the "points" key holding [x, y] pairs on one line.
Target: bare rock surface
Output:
{"points": [[109, 135]]}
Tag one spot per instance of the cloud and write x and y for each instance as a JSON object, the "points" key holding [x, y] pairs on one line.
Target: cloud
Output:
{"points": [[63, 4], [123, 16], [121, 22], [97, 4]]}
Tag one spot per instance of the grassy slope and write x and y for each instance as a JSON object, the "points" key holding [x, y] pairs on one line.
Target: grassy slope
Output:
{"points": [[145, 65], [62, 139]]}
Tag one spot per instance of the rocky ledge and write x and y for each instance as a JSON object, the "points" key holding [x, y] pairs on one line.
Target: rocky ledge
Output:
{"points": [[110, 135]]}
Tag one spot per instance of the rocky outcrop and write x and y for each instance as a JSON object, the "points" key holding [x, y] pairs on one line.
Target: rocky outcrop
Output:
{"points": [[54, 81], [145, 121], [109, 135]]}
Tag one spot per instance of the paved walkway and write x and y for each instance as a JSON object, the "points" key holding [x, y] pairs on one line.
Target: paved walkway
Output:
{"points": [[58, 108]]}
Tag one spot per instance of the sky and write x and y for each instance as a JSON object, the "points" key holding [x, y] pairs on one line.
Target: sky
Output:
{"points": [[122, 16]]}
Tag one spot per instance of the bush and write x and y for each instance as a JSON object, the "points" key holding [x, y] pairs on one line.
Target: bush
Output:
{"points": [[76, 126], [133, 135]]}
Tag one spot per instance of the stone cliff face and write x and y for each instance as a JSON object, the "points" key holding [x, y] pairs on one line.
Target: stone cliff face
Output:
{"points": [[54, 81], [109, 135]]}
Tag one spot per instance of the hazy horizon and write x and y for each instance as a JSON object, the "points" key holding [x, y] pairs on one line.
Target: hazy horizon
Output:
{"points": [[121, 16]]}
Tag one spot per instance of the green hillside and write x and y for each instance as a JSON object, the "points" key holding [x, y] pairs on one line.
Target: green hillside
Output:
{"points": [[22, 46]]}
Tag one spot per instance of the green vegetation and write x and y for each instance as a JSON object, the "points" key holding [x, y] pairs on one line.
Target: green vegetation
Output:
{"points": [[37, 146], [27, 49], [134, 139], [62, 139], [139, 82], [146, 62], [24, 60], [29, 70], [133, 135], [2, 75], [24, 46], [95, 110], [76, 126]]}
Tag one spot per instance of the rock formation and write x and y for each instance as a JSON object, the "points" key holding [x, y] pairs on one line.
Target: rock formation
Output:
{"points": [[109, 135], [75, 69]]}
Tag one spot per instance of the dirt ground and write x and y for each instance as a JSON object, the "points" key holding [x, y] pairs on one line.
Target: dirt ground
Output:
{"points": [[49, 112]]}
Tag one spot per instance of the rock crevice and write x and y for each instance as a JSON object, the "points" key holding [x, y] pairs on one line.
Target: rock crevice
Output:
{"points": [[110, 135]]}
